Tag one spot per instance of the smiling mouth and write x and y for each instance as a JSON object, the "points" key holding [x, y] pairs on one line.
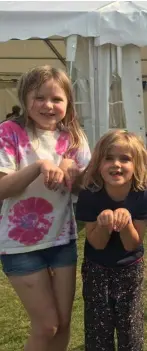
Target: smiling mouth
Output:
{"points": [[47, 114], [116, 173]]}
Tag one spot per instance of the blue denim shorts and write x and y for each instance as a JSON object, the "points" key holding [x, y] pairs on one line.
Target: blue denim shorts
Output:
{"points": [[26, 263]]}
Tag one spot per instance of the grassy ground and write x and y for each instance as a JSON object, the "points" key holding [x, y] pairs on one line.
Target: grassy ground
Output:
{"points": [[14, 324]]}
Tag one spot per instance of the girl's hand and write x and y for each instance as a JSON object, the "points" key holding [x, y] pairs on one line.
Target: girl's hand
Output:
{"points": [[53, 175], [122, 218], [105, 220], [70, 170]]}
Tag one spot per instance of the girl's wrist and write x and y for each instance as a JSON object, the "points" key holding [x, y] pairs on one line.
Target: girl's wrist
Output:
{"points": [[38, 164], [105, 230]]}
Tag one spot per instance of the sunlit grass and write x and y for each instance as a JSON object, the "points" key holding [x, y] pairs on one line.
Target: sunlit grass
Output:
{"points": [[14, 324]]}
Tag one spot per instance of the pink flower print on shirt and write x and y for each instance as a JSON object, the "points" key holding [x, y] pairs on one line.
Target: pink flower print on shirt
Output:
{"points": [[73, 227], [72, 154], [64, 233], [81, 157], [22, 141], [77, 156], [62, 143], [13, 138], [30, 220], [6, 142], [69, 229]]}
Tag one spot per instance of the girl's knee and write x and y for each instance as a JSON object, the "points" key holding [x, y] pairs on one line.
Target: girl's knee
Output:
{"points": [[45, 330], [64, 324]]}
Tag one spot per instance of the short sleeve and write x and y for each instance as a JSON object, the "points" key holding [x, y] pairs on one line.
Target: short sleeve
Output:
{"points": [[82, 155], [141, 208], [86, 209], [8, 150]]}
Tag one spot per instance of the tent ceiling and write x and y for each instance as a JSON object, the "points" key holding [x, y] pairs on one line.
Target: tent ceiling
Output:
{"points": [[115, 22], [17, 56]]}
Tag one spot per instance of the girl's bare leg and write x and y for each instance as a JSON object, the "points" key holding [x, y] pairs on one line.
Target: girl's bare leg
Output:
{"points": [[36, 294], [48, 302], [64, 281]]}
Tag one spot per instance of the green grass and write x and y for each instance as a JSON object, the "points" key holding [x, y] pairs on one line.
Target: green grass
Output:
{"points": [[14, 324]]}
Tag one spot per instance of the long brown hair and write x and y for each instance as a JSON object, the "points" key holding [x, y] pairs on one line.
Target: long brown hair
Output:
{"points": [[33, 79], [135, 145]]}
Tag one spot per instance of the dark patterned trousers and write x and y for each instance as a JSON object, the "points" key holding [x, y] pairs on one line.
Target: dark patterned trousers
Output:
{"points": [[113, 302]]}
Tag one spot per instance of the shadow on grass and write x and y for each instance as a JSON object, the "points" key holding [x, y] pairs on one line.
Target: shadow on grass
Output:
{"points": [[145, 316], [78, 348], [80, 225]]}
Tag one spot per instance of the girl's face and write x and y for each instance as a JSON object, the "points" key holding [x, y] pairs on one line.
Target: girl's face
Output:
{"points": [[117, 167], [47, 106]]}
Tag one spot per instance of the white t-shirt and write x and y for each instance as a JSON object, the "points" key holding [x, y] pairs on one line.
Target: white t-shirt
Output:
{"points": [[37, 218]]}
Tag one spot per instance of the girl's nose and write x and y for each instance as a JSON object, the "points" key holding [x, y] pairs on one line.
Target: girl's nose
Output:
{"points": [[116, 162], [49, 104]]}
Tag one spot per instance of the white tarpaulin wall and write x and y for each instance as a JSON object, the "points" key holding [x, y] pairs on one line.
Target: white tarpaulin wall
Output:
{"points": [[108, 77]]}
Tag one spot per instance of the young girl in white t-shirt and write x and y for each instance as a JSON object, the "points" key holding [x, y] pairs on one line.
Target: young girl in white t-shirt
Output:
{"points": [[41, 152]]}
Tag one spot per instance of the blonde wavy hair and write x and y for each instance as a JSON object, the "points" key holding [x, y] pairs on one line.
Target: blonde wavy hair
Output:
{"points": [[32, 80], [135, 145]]}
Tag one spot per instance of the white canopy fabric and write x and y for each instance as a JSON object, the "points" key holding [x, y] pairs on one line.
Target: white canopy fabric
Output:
{"points": [[119, 23], [99, 43]]}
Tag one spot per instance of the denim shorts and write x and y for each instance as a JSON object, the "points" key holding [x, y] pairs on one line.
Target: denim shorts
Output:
{"points": [[29, 262]]}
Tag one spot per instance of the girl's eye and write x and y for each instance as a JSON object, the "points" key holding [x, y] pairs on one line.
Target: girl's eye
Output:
{"points": [[57, 99], [40, 98], [122, 158], [109, 158], [125, 159]]}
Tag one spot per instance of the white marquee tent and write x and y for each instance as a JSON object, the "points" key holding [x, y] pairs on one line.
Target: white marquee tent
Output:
{"points": [[98, 41]]}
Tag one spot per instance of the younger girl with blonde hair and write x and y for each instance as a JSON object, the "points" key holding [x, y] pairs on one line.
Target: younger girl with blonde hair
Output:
{"points": [[113, 205], [41, 152]]}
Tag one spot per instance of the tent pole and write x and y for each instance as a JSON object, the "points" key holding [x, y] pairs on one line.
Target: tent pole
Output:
{"points": [[91, 88], [55, 51], [132, 90], [102, 84]]}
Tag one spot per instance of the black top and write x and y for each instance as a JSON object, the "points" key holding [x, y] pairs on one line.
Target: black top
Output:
{"points": [[90, 204]]}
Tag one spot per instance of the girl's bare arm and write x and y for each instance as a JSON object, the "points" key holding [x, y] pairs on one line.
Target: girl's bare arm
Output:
{"points": [[97, 236], [13, 183], [132, 235]]}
